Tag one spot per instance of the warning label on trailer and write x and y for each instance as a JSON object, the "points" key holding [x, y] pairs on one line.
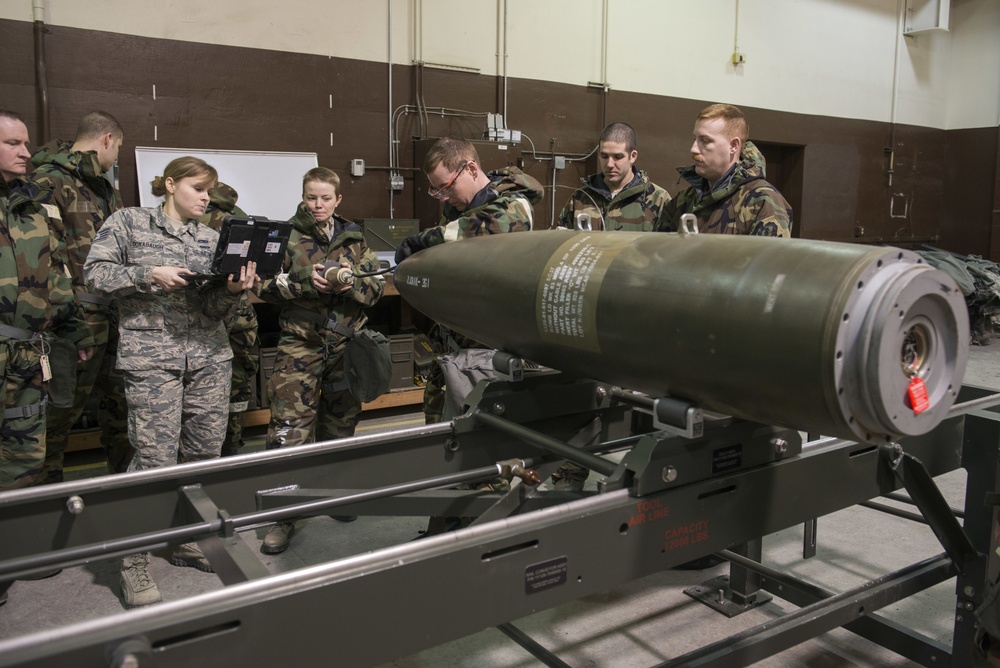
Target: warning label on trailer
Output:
{"points": [[728, 458], [545, 575]]}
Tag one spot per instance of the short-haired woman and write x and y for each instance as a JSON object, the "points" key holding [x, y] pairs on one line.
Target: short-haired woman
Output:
{"points": [[307, 390]]}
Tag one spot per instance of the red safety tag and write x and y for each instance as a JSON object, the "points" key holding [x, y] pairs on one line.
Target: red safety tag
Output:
{"points": [[917, 392]]}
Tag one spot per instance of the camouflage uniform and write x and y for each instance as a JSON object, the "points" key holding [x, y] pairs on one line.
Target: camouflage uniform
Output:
{"points": [[307, 390], [36, 298], [72, 181], [634, 209], [242, 328], [741, 203], [502, 206], [174, 351]]}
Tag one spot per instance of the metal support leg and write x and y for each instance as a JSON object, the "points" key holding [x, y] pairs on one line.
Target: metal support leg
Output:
{"points": [[810, 527], [884, 632], [231, 558], [809, 531], [773, 636], [745, 584], [738, 592], [936, 511]]}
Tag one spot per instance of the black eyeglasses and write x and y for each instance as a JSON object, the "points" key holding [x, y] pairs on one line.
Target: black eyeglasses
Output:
{"points": [[445, 191]]}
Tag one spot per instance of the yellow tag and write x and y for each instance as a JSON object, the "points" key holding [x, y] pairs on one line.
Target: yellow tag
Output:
{"points": [[46, 369]]}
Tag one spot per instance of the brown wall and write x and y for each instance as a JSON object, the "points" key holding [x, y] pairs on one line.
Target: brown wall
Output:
{"points": [[943, 191]]}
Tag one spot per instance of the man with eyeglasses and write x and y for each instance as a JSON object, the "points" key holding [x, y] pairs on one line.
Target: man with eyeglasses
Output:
{"points": [[476, 203]]}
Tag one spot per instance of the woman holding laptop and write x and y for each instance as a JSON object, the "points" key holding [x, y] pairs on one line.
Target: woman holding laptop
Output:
{"points": [[174, 350]]}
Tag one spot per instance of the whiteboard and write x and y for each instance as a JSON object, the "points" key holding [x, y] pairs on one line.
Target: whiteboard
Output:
{"points": [[269, 183]]}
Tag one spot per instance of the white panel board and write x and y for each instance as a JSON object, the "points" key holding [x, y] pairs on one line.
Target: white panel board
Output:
{"points": [[269, 183]]}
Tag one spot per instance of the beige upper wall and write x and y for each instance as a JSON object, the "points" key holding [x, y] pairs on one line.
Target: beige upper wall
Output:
{"points": [[831, 57]]}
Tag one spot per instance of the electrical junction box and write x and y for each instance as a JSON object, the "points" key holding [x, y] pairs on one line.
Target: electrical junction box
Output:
{"points": [[385, 234]]}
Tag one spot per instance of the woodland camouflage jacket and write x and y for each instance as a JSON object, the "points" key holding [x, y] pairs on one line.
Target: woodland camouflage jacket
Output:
{"points": [[502, 206], [634, 209], [221, 204], [741, 203], [35, 292], [309, 244], [73, 182]]}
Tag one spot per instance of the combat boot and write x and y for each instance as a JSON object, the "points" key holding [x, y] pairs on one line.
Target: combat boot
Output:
{"points": [[189, 554], [277, 538], [138, 588]]}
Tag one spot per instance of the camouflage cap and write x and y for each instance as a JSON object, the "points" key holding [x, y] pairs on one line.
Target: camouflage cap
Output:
{"points": [[224, 196]]}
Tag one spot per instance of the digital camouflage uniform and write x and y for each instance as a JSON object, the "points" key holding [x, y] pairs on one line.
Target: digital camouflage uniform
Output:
{"points": [[36, 300], [242, 328], [634, 209], [307, 390], [72, 181], [173, 350], [741, 203], [505, 205]]}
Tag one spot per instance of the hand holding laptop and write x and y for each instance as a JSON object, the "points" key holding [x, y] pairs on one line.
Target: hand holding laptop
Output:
{"points": [[248, 276], [171, 278]]}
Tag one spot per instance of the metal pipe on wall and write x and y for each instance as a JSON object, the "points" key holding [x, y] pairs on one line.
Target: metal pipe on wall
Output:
{"points": [[41, 83], [555, 175], [505, 61], [736, 28], [604, 45], [418, 66], [500, 55], [389, 124], [900, 22], [604, 67]]}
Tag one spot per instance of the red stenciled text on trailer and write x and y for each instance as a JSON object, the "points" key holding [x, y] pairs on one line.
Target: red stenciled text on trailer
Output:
{"points": [[647, 511], [685, 534]]}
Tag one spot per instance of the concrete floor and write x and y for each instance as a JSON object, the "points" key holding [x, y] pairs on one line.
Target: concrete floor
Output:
{"points": [[641, 624]]}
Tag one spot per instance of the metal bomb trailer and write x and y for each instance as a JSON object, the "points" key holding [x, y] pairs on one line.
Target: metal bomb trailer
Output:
{"points": [[714, 474]]}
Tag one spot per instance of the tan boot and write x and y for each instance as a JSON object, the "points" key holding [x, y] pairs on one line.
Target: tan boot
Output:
{"points": [[138, 588], [277, 538], [189, 554]]}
